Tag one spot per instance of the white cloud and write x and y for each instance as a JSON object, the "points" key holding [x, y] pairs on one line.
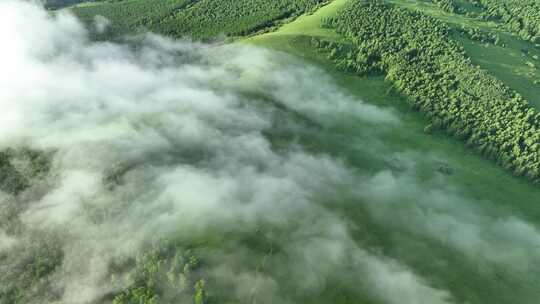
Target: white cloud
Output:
{"points": [[172, 118], [101, 23], [6, 242]]}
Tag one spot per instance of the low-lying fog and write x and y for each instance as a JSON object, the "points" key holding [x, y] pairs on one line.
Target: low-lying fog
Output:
{"points": [[155, 139]]}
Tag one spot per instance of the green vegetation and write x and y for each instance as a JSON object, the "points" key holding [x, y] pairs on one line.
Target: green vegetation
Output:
{"points": [[306, 25], [507, 60], [199, 19], [392, 52], [476, 34], [164, 274], [418, 55], [208, 18], [18, 167], [25, 277], [496, 191], [446, 5], [131, 15], [520, 16], [56, 4]]}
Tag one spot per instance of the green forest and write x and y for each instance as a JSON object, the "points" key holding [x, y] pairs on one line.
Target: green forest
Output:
{"points": [[198, 19], [417, 54]]}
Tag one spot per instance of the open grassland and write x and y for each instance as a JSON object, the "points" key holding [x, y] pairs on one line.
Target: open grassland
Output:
{"points": [[310, 24]]}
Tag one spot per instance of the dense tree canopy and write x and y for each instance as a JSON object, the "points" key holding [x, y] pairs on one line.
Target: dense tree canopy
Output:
{"points": [[203, 19], [58, 4], [418, 55], [129, 15], [521, 16], [447, 5]]}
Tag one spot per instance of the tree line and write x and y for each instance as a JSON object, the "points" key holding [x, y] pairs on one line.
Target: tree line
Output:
{"points": [[447, 5], [199, 19], [129, 16], [210, 18], [418, 55], [520, 16]]}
